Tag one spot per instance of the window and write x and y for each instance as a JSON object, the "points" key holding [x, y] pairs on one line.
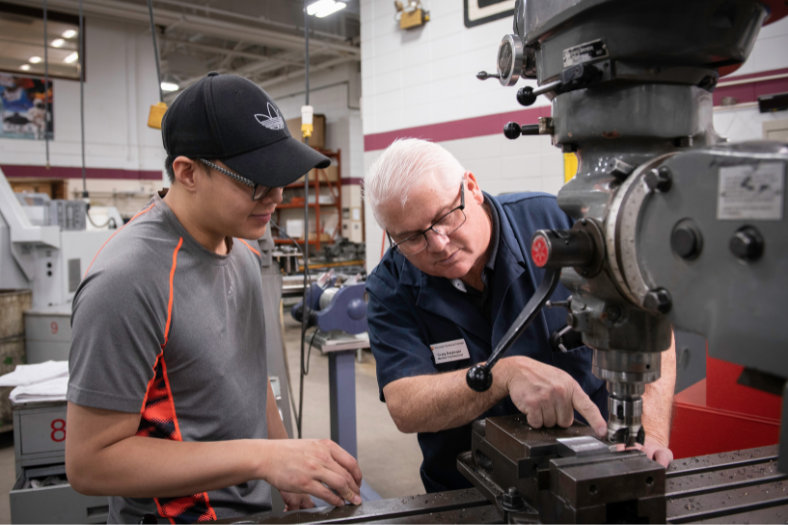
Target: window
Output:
{"points": [[22, 42]]}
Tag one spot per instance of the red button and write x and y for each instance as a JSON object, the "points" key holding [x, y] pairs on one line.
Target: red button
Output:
{"points": [[539, 251]]}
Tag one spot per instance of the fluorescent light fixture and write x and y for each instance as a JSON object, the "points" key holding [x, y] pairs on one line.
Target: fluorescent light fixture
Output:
{"points": [[69, 33], [70, 59], [323, 8], [169, 86], [58, 42], [25, 67], [35, 60]]}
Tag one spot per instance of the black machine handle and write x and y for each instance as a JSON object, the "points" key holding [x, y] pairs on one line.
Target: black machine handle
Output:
{"points": [[479, 377]]}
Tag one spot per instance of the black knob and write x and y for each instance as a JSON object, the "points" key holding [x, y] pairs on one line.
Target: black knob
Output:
{"points": [[512, 130], [686, 241], [513, 499], [479, 378], [747, 244], [525, 96], [658, 300], [659, 179]]}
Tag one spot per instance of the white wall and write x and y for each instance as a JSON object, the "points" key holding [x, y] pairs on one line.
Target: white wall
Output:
{"points": [[427, 76], [120, 86]]}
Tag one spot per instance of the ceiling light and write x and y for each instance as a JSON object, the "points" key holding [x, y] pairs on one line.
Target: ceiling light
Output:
{"points": [[69, 33], [323, 8], [35, 60], [24, 67], [58, 42], [169, 86], [71, 58]]}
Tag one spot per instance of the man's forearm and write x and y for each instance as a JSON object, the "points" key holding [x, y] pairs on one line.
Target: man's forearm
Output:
{"points": [[658, 398], [143, 467], [431, 403]]}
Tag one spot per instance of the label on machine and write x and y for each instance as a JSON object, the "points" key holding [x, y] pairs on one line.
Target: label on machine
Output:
{"points": [[584, 53], [751, 191], [450, 351]]}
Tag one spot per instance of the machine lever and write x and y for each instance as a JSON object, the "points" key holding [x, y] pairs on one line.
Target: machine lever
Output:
{"points": [[526, 96], [484, 75], [479, 377]]}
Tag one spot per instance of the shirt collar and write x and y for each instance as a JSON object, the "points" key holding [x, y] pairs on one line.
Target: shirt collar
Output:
{"points": [[496, 232], [495, 238]]}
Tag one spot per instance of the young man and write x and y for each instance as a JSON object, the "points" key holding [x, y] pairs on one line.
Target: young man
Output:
{"points": [[170, 411], [460, 273]]}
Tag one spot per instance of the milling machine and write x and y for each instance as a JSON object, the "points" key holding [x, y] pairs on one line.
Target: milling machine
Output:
{"points": [[675, 227]]}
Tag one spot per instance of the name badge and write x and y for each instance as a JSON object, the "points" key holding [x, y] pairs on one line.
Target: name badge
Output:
{"points": [[450, 351]]}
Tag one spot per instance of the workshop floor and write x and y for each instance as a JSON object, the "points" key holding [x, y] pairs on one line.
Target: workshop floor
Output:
{"points": [[7, 474], [389, 460]]}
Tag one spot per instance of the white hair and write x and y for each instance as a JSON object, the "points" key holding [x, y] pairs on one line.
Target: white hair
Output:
{"points": [[405, 164]]}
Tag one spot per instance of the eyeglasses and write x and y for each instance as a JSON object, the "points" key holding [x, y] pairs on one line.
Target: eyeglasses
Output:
{"points": [[258, 191], [444, 226]]}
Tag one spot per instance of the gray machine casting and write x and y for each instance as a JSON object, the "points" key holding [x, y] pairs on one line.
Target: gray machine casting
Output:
{"points": [[676, 227]]}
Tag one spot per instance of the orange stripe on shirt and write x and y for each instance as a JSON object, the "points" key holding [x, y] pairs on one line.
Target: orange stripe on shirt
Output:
{"points": [[247, 245], [146, 210], [169, 304]]}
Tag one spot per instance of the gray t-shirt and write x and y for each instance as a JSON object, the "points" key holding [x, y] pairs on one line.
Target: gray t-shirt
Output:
{"points": [[167, 329]]}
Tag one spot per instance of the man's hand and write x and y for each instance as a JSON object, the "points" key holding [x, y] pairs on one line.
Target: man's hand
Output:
{"points": [[548, 396], [295, 501], [308, 466], [656, 451]]}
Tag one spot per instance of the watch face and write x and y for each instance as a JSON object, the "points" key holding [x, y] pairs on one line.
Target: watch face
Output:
{"points": [[505, 60]]}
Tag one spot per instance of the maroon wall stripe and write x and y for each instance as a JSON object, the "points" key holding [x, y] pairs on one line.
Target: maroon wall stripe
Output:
{"points": [[493, 124], [751, 76], [751, 91], [351, 181], [59, 172], [457, 129]]}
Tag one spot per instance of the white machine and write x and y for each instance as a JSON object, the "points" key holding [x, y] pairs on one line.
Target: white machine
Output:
{"points": [[47, 259]]}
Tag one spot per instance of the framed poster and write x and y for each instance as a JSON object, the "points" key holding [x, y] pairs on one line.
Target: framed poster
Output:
{"points": [[478, 12], [23, 108]]}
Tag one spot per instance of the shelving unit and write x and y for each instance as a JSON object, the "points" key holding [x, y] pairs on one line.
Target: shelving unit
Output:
{"points": [[321, 180]]}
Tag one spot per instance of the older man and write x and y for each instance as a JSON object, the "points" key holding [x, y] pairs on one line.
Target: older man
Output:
{"points": [[457, 275]]}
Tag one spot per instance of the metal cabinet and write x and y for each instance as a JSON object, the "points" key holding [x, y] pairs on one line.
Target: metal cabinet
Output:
{"points": [[40, 452]]}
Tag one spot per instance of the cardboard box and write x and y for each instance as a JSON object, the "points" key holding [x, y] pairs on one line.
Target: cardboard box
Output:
{"points": [[332, 173], [318, 138]]}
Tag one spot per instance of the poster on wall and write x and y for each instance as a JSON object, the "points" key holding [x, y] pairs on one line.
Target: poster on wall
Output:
{"points": [[23, 108], [478, 12]]}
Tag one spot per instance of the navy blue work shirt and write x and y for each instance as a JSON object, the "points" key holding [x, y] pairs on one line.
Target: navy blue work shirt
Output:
{"points": [[409, 310]]}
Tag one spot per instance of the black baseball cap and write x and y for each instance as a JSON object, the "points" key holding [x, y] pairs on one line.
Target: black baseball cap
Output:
{"points": [[232, 119]]}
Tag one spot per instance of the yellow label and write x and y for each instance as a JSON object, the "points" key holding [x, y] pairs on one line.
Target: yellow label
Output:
{"points": [[570, 166], [156, 114], [306, 130]]}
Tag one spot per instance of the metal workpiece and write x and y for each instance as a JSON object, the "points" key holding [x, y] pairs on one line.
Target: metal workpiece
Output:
{"points": [[459, 506]]}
